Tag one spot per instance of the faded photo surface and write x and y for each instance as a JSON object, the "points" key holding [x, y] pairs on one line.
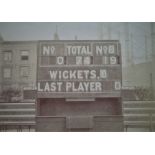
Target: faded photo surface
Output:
{"points": [[77, 77]]}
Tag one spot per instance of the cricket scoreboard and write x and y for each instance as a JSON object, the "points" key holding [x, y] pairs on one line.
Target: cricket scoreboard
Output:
{"points": [[79, 68]]}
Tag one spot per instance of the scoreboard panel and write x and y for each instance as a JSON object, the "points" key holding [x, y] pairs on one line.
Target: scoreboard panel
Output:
{"points": [[79, 69]]}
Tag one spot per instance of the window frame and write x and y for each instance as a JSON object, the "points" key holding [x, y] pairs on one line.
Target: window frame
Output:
{"points": [[10, 52], [28, 72], [24, 55], [7, 67]]}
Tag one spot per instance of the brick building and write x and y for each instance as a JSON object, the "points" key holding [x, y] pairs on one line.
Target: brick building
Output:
{"points": [[18, 65]]}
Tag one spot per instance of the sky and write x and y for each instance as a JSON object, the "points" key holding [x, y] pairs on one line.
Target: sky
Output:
{"points": [[139, 34], [45, 31]]}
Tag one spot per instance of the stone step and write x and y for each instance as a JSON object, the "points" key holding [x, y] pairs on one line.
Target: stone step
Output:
{"points": [[17, 111], [16, 117], [17, 105], [138, 110]]}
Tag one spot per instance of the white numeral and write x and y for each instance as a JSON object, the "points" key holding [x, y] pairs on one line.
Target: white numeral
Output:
{"points": [[60, 60], [103, 73], [113, 60], [117, 85]]}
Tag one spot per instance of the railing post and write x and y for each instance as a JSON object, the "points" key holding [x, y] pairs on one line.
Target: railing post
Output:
{"points": [[19, 128], [5, 128], [151, 122], [126, 128], [29, 128]]}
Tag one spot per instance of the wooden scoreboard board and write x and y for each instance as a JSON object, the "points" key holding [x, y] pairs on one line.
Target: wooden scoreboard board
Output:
{"points": [[79, 69]]}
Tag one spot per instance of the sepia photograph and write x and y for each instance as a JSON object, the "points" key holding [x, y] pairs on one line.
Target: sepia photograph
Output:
{"points": [[77, 76]]}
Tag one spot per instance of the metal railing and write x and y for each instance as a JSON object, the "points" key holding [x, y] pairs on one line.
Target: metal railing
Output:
{"points": [[17, 116], [139, 114], [21, 116]]}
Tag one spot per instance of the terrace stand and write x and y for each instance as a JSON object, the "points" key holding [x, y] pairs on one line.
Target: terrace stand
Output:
{"points": [[77, 89]]}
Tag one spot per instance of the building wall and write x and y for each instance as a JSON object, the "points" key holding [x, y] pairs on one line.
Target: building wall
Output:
{"points": [[153, 55], [19, 80], [137, 75], [0, 66]]}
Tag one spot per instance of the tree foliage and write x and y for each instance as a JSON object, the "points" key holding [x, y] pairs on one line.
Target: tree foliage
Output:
{"points": [[143, 94]]}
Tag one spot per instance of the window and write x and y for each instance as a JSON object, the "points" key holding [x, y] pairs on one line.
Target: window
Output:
{"points": [[24, 55], [24, 71], [7, 72], [7, 55]]}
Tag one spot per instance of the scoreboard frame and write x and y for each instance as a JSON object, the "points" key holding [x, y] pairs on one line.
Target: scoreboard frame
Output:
{"points": [[46, 94]]}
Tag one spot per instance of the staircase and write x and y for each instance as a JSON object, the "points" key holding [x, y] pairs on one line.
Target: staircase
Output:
{"points": [[17, 116], [21, 116], [139, 114]]}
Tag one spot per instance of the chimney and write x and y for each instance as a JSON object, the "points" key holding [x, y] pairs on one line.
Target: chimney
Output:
{"points": [[56, 36], [76, 37]]}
